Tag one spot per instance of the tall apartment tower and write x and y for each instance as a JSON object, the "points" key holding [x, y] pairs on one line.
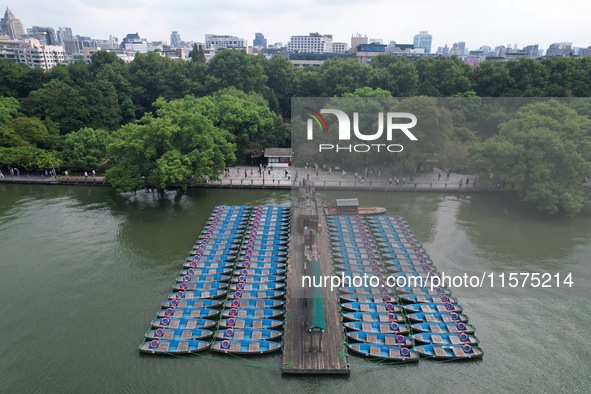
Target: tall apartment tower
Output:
{"points": [[11, 26], [423, 40], [175, 39], [259, 40]]}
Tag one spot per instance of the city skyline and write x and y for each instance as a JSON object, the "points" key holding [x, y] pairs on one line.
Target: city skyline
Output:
{"points": [[476, 24]]}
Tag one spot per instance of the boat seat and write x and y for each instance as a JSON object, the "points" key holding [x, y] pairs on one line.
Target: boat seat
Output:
{"points": [[163, 346], [459, 352], [374, 351], [258, 335], [257, 324], [254, 347], [187, 334], [371, 338], [239, 324], [366, 318], [421, 299], [192, 324], [436, 339], [183, 347], [426, 309], [238, 335], [390, 340], [175, 324], [393, 353], [431, 318], [365, 308], [455, 340], [439, 351], [234, 347]]}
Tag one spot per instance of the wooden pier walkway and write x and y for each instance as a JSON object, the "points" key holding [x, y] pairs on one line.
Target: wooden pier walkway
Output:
{"points": [[297, 356]]}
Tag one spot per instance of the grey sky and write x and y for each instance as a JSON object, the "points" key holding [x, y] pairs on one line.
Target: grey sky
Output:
{"points": [[495, 22]]}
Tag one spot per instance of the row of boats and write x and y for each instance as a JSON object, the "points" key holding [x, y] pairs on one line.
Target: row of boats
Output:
{"points": [[229, 294], [384, 320]]}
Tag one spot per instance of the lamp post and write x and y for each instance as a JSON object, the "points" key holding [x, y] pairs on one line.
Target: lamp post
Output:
{"points": [[262, 166]]}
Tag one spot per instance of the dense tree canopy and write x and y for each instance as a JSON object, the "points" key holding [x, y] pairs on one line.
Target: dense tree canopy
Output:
{"points": [[543, 153], [64, 115], [176, 144]]}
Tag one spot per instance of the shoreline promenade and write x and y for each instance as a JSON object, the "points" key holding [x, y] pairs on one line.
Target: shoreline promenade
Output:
{"points": [[430, 181]]}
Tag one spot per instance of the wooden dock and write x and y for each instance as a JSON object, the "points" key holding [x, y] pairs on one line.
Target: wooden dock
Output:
{"points": [[298, 358]]}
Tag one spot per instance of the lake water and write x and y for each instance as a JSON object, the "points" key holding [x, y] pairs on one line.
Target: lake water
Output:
{"points": [[83, 271]]}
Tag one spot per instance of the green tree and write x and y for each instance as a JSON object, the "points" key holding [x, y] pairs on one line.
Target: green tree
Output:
{"points": [[338, 76], [543, 152], [28, 157], [11, 75], [92, 105], [179, 142], [282, 80], [197, 54], [85, 149], [235, 68]]}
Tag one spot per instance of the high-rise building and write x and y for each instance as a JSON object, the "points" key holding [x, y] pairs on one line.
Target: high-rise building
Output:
{"points": [[423, 40], [222, 42], [175, 39], [560, 49], [45, 35], [532, 50], [11, 26], [462, 47], [357, 40], [64, 34], [340, 47], [312, 43], [259, 40]]}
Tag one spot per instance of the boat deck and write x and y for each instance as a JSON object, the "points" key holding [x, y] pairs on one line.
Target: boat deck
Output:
{"points": [[297, 357]]}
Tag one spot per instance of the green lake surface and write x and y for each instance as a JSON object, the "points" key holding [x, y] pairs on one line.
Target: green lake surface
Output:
{"points": [[83, 271]]}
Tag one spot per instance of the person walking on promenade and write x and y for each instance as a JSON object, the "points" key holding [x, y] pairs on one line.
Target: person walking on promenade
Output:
{"points": [[251, 172], [461, 182], [85, 175], [66, 173], [245, 173], [467, 181], [1, 174], [438, 177], [390, 181], [94, 174], [379, 174]]}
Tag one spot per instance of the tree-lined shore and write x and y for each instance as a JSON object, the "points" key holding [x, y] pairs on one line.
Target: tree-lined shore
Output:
{"points": [[158, 121]]}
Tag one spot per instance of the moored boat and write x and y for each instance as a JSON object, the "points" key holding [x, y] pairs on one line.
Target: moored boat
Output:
{"points": [[254, 313], [255, 303], [171, 322], [235, 346], [380, 339], [249, 334], [443, 328], [163, 346], [197, 303], [178, 334], [383, 352], [189, 313], [432, 308], [384, 328], [437, 317], [445, 339], [374, 317], [449, 352], [247, 322]]}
